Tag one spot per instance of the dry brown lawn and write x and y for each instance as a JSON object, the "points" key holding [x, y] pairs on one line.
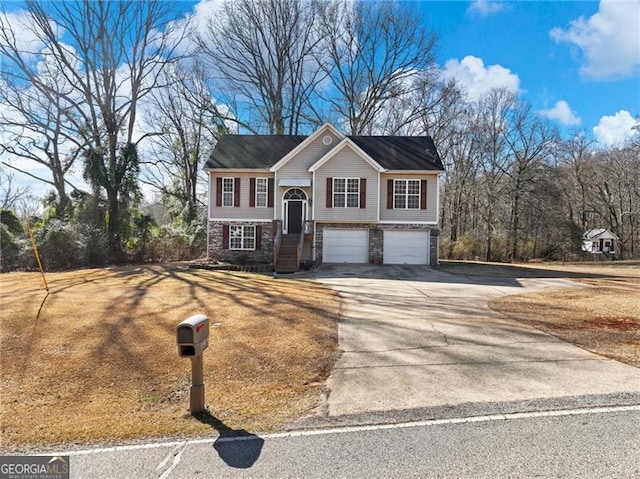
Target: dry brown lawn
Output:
{"points": [[602, 315], [96, 360]]}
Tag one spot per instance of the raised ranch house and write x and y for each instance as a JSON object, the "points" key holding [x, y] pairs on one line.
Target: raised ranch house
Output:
{"points": [[323, 198]]}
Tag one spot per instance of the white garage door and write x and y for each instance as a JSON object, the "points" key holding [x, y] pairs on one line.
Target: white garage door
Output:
{"points": [[406, 247], [345, 246]]}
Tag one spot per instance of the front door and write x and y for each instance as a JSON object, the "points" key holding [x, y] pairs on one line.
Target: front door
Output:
{"points": [[294, 217]]}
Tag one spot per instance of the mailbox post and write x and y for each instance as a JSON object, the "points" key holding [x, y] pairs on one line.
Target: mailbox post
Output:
{"points": [[192, 336]]}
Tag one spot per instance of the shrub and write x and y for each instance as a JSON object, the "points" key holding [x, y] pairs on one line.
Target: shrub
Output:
{"points": [[59, 246]]}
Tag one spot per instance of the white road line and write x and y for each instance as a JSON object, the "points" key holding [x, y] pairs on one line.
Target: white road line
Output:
{"points": [[351, 429], [176, 461], [171, 455]]}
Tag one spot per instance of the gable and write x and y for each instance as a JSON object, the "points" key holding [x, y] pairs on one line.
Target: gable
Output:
{"points": [[346, 146], [323, 139]]}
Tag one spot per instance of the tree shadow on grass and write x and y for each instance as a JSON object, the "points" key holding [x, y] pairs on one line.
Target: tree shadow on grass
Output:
{"points": [[238, 448]]}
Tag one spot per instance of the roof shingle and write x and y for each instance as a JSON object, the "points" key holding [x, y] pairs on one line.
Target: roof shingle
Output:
{"points": [[264, 151]]}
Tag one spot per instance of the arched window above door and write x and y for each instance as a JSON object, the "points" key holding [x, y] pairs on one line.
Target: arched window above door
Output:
{"points": [[295, 194]]}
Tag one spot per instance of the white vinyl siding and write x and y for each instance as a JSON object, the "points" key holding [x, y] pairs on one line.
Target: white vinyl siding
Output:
{"points": [[297, 168], [346, 164], [262, 191], [430, 215], [242, 237], [345, 245], [406, 247], [244, 211]]}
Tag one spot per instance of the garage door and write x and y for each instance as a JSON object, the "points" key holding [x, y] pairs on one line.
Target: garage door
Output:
{"points": [[406, 247], [345, 246]]}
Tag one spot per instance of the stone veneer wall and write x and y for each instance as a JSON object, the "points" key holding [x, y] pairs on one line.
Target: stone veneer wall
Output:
{"points": [[263, 255], [376, 238]]}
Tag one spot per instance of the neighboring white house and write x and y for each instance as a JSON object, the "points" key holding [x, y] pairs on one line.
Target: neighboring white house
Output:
{"points": [[599, 241], [324, 198]]}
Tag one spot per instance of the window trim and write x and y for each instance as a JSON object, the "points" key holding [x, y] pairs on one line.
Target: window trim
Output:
{"points": [[262, 194], [225, 193], [406, 194], [345, 194], [243, 237]]}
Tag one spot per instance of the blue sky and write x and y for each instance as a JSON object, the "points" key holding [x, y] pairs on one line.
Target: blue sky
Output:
{"points": [[586, 54]]}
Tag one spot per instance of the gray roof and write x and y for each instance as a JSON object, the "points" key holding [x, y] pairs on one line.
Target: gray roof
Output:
{"points": [[251, 151], [264, 151]]}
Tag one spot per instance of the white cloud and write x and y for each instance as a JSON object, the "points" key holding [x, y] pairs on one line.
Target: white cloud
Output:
{"points": [[609, 40], [563, 113], [616, 129], [204, 11], [20, 32], [484, 8], [477, 79]]}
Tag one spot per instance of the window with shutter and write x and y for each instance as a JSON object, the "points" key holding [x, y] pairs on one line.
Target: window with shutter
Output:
{"points": [[406, 194], [346, 192], [242, 237], [261, 192], [228, 191]]}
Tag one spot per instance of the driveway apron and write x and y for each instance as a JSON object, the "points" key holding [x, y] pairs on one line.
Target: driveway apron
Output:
{"points": [[415, 337]]}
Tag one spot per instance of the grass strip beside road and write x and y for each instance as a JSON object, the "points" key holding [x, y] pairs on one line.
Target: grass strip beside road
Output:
{"points": [[97, 360]]}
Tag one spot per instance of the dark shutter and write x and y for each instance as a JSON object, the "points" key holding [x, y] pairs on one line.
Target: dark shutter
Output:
{"points": [[363, 192], [329, 192], [225, 236], [423, 194], [252, 192], [389, 194], [218, 191], [258, 237], [270, 193], [236, 192]]}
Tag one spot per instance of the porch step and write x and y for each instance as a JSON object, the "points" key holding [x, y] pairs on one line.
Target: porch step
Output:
{"points": [[287, 257]]}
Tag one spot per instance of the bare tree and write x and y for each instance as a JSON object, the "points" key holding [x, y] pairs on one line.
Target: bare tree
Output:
{"points": [[576, 171], [261, 55], [531, 141], [190, 122], [10, 193], [490, 130], [375, 52], [112, 56], [37, 117]]}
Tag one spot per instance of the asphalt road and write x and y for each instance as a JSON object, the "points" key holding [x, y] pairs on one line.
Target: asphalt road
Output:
{"points": [[580, 443]]}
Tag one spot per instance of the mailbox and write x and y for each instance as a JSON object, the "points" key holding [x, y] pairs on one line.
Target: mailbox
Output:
{"points": [[192, 336]]}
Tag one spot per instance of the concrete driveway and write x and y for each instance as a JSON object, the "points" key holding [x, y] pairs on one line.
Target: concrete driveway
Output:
{"points": [[415, 337]]}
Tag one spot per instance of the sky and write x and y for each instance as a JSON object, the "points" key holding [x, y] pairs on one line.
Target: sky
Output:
{"points": [[577, 63]]}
